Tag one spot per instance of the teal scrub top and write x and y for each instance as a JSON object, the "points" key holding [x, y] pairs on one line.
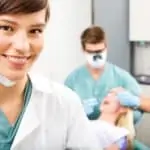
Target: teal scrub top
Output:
{"points": [[92, 92], [8, 131]]}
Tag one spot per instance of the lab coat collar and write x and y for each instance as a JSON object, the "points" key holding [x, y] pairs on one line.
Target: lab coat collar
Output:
{"points": [[40, 83], [30, 121]]}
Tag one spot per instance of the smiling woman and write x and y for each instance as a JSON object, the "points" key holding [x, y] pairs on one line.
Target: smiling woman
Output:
{"points": [[21, 40], [21, 35], [33, 111]]}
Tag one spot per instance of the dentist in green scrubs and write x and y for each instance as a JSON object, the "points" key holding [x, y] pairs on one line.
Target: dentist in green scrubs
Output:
{"points": [[95, 79], [35, 113]]}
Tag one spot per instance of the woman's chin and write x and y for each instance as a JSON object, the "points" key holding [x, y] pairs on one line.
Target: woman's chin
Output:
{"points": [[15, 77]]}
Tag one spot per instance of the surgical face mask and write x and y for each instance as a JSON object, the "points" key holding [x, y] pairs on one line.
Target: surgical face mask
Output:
{"points": [[6, 82], [96, 60]]}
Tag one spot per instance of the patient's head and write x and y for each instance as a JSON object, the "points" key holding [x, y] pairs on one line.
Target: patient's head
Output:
{"points": [[111, 105], [123, 116]]}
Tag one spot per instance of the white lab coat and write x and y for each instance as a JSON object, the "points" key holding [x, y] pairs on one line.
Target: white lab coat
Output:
{"points": [[54, 120]]}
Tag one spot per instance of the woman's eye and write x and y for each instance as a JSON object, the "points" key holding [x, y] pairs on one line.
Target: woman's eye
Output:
{"points": [[6, 28], [36, 31]]}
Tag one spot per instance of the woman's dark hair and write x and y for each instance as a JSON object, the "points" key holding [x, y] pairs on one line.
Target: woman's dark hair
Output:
{"points": [[24, 6]]}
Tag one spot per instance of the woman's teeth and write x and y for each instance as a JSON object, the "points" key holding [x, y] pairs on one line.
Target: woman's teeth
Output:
{"points": [[16, 59]]}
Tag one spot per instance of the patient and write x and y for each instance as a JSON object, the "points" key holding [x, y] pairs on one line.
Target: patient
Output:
{"points": [[115, 125]]}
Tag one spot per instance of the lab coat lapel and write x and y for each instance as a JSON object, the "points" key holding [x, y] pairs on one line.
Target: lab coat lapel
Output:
{"points": [[28, 124]]}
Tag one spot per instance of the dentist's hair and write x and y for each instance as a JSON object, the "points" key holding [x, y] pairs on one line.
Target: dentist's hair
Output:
{"points": [[125, 120], [24, 7], [92, 35]]}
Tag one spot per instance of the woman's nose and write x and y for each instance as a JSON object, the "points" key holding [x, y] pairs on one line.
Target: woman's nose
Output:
{"points": [[21, 42]]}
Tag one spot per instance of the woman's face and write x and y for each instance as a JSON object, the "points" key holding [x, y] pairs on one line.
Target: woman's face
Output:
{"points": [[111, 104], [21, 41]]}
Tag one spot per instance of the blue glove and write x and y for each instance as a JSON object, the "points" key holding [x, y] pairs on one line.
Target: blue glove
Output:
{"points": [[89, 105], [129, 100]]}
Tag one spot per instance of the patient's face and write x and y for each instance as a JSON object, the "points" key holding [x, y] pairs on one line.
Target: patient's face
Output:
{"points": [[110, 104]]}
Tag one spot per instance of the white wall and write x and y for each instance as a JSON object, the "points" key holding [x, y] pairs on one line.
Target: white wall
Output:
{"points": [[62, 52]]}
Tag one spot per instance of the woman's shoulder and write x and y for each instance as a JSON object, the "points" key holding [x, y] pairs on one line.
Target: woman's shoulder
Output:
{"points": [[54, 91]]}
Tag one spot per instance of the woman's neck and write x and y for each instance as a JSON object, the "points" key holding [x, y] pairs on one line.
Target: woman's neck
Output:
{"points": [[110, 118], [14, 92]]}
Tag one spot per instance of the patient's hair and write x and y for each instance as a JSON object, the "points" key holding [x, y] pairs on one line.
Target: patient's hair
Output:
{"points": [[125, 120]]}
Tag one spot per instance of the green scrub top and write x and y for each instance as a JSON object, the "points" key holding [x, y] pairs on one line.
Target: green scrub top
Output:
{"points": [[8, 131], [92, 92]]}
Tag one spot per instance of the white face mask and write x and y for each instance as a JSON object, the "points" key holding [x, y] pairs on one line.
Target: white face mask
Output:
{"points": [[97, 60], [6, 82]]}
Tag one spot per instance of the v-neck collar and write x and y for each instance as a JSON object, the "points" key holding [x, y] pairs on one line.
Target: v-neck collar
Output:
{"points": [[101, 76]]}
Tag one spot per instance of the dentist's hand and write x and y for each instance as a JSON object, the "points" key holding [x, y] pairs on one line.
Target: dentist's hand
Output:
{"points": [[126, 98]]}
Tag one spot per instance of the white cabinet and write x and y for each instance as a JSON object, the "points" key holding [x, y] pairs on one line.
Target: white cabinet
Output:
{"points": [[139, 20]]}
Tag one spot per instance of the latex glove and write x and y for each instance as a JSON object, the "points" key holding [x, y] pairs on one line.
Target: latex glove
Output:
{"points": [[89, 105], [128, 99]]}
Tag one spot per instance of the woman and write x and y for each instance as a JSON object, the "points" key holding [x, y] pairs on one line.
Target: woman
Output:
{"points": [[115, 125], [34, 113]]}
